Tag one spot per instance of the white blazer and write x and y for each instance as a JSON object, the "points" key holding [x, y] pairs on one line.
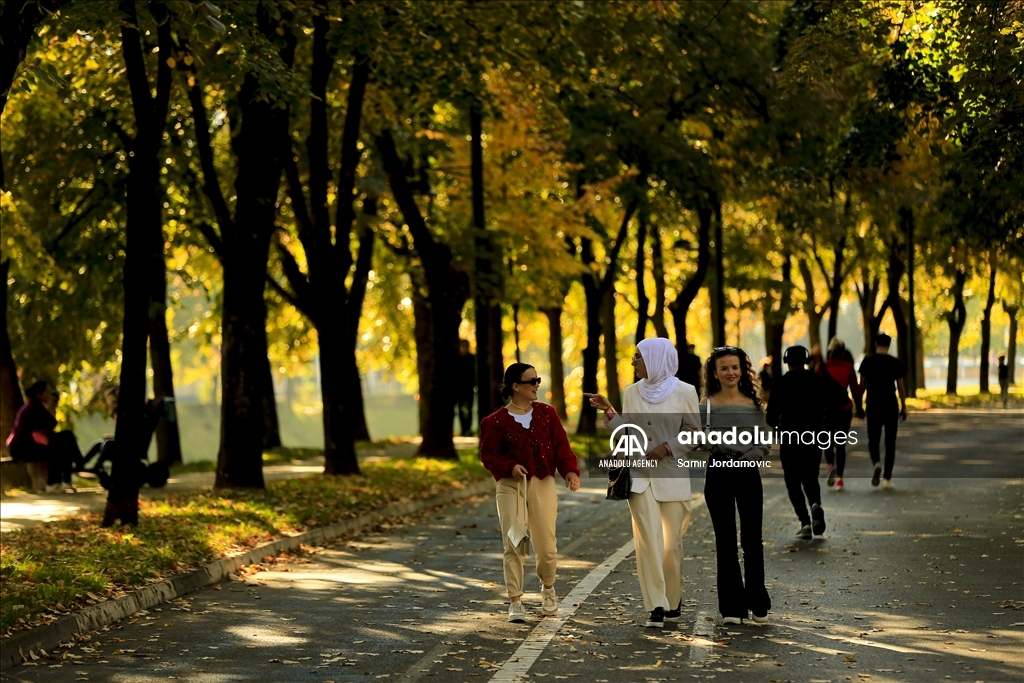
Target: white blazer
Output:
{"points": [[662, 423]]}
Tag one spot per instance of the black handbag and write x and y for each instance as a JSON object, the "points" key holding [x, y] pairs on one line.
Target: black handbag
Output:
{"points": [[619, 483]]}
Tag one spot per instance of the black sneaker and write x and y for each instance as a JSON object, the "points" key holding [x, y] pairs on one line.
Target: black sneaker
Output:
{"points": [[656, 619], [818, 517], [675, 614]]}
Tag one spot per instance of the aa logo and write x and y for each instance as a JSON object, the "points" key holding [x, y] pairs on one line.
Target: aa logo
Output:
{"points": [[628, 444]]}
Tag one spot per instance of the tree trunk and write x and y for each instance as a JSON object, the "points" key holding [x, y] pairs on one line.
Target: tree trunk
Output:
{"points": [[1011, 343], [835, 292], [658, 271], [894, 274], [271, 426], [554, 315], [10, 393], [515, 332], [143, 256], [956, 320], [243, 365], [486, 278], [986, 323], [814, 314], [447, 289], [168, 439], [681, 305], [591, 354], [339, 439], [497, 356], [611, 351], [775, 316], [423, 335], [718, 310], [867, 295], [642, 302]]}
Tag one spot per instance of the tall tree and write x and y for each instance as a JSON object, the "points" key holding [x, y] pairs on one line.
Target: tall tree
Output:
{"points": [[243, 241], [324, 295], [447, 289], [143, 250]]}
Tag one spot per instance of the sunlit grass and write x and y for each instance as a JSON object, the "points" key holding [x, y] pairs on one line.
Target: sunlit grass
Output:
{"points": [[967, 397], [48, 569]]}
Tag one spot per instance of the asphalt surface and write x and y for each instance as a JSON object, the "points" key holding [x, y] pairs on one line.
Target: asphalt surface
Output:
{"points": [[921, 583]]}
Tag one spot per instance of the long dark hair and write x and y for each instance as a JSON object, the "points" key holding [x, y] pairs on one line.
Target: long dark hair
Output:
{"points": [[749, 383], [513, 375]]}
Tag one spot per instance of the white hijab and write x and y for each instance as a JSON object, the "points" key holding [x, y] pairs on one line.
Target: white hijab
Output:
{"points": [[662, 363]]}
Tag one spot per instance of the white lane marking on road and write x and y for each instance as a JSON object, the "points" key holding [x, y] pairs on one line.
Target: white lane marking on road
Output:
{"points": [[416, 671], [519, 664], [703, 637]]}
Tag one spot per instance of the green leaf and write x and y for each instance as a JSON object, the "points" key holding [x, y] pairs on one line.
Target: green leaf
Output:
{"points": [[215, 24]]}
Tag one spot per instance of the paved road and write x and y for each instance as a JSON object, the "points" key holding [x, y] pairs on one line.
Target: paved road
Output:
{"points": [[923, 583]]}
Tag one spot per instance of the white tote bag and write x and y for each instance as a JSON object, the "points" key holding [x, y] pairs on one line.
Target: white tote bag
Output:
{"points": [[519, 530]]}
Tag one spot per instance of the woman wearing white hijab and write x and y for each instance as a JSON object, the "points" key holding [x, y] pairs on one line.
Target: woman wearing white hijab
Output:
{"points": [[659, 498]]}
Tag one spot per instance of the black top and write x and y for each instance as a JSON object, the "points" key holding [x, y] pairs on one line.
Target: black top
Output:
{"points": [[880, 372], [1004, 371], [798, 400]]}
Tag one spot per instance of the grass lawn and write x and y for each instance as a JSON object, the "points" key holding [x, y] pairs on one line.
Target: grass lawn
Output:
{"points": [[48, 570], [967, 397]]}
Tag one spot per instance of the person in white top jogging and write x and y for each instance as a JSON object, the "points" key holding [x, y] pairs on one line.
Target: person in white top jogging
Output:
{"points": [[659, 499]]}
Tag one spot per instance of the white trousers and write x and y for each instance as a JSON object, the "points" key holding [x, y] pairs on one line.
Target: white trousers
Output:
{"points": [[658, 530]]}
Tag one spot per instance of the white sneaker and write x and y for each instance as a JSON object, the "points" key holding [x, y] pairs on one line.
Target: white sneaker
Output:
{"points": [[735, 621], [549, 601], [887, 484], [804, 532], [54, 488], [517, 612], [759, 620]]}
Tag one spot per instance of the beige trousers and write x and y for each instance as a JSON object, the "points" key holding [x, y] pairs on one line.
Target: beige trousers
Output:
{"points": [[658, 530], [542, 508]]}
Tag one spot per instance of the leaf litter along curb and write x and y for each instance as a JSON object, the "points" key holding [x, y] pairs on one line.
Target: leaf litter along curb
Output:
{"points": [[49, 570]]}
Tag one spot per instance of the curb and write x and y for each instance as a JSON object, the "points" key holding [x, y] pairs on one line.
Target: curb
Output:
{"points": [[14, 650]]}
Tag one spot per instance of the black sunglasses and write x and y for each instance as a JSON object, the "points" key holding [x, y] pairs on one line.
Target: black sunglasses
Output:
{"points": [[535, 381]]}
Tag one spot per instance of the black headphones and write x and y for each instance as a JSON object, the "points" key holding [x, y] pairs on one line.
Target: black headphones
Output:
{"points": [[797, 355]]}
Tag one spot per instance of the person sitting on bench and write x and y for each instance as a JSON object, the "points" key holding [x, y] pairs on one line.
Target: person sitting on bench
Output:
{"points": [[33, 438]]}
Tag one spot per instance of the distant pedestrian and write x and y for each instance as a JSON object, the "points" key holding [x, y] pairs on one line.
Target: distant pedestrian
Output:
{"points": [[839, 369], [731, 400], [465, 387], [523, 446], [33, 438], [880, 373], [691, 368], [1004, 381], [764, 378], [659, 496], [796, 410]]}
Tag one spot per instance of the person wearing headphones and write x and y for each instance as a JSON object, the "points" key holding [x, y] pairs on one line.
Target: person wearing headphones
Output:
{"points": [[796, 411]]}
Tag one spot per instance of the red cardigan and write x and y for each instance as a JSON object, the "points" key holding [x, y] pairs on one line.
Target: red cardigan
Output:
{"points": [[542, 449]]}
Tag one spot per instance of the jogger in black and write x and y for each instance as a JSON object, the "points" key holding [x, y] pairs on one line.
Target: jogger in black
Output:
{"points": [[879, 373], [797, 410], [730, 401]]}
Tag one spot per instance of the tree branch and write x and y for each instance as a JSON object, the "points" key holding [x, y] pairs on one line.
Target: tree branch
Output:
{"points": [[135, 70], [211, 181], [613, 255], [297, 279]]}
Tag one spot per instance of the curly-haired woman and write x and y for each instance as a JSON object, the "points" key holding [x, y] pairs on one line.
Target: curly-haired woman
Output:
{"points": [[731, 400], [521, 442]]}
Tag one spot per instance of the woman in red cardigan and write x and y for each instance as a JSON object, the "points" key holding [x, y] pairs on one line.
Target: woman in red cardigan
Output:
{"points": [[523, 445]]}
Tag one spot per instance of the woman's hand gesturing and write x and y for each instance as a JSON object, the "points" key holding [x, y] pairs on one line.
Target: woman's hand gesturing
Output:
{"points": [[598, 401]]}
